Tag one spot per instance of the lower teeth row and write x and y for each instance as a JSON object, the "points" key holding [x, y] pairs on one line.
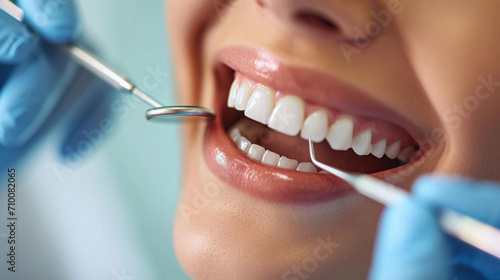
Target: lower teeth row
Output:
{"points": [[267, 157]]}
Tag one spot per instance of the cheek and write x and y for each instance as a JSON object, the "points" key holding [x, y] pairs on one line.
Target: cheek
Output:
{"points": [[185, 22], [452, 48]]}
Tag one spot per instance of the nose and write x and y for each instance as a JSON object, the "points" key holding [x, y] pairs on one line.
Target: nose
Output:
{"points": [[333, 17]]}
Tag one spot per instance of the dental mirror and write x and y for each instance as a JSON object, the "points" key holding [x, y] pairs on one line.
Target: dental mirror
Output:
{"points": [[173, 112]]}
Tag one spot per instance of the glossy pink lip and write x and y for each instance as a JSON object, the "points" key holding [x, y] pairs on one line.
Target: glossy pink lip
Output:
{"points": [[272, 183]]}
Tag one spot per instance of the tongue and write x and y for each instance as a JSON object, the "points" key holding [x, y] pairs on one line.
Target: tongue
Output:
{"points": [[294, 147]]}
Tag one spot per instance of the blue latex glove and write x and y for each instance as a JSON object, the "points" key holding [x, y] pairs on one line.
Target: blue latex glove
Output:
{"points": [[32, 83], [34, 75], [411, 245]]}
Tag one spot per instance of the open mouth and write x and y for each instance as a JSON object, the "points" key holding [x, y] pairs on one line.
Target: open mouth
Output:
{"points": [[273, 127], [259, 141]]}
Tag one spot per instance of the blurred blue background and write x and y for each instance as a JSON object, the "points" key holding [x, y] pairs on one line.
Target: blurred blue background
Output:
{"points": [[111, 216]]}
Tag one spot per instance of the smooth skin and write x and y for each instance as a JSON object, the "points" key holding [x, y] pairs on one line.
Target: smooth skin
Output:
{"points": [[435, 62]]}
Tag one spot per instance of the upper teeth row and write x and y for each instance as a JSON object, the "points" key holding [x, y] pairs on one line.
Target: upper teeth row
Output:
{"points": [[288, 116]]}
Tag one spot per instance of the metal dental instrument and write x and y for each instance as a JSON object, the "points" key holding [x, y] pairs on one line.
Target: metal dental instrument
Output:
{"points": [[113, 77], [467, 229]]}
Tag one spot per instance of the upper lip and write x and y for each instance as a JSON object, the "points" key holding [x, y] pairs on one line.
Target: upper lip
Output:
{"points": [[277, 184], [312, 85]]}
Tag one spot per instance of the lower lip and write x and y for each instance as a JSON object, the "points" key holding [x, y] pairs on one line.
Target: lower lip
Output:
{"points": [[230, 165]]}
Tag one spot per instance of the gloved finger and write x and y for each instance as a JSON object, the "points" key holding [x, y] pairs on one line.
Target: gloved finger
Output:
{"points": [[476, 199], [29, 95], [410, 244], [16, 41], [92, 124], [55, 20]]}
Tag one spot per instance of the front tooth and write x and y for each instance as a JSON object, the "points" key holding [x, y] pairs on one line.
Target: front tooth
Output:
{"points": [[260, 105], [288, 115], [242, 97], [378, 149], [231, 99], [307, 167], [406, 154], [287, 163], [392, 150], [243, 144], [256, 152], [362, 143], [315, 127], [270, 158], [340, 133]]}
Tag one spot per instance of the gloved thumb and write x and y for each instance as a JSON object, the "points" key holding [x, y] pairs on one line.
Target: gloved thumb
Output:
{"points": [[55, 20]]}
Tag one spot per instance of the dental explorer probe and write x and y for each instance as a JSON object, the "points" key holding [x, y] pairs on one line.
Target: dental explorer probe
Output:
{"points": [[113, 77], [467, 229]]}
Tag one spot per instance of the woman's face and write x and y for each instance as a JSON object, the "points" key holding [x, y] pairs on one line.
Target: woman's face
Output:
{"points": [[414, 80]]}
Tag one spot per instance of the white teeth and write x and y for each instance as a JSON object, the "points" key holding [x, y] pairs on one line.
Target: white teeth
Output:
{"points": [[232, 94], [340, 133], [243, 144], [287, 163], [256, 152], [362, 143], [288, 115], [392, 150], [270, 158], [406, 154], [259, 153], [242, 97], [234, 134], [315, 127], [260, 105], [378, 149], [307, 167]]}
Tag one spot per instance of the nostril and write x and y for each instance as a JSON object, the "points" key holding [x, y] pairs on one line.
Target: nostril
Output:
{"points": [[261, 3], [315, 20]]}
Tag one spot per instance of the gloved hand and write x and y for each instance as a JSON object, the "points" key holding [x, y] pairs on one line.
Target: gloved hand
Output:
{"points": [[34, 75], [411, 245]]}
